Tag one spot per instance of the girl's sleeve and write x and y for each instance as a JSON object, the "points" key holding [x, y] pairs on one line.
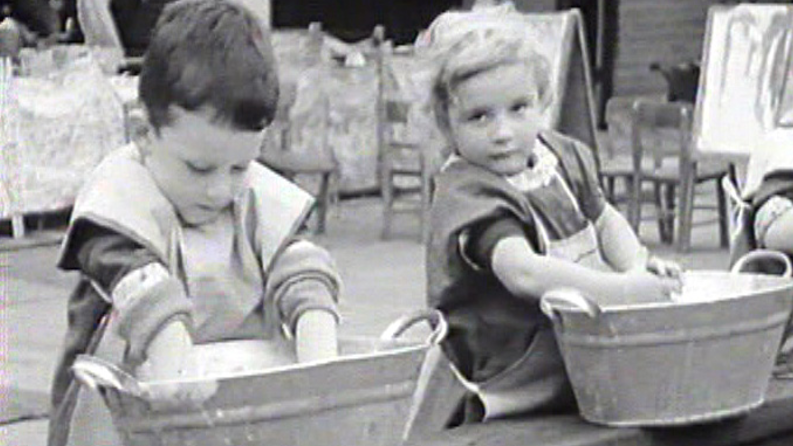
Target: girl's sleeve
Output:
{"points": [[581, 170], [478, 243], [143, 294], [303, 277]]}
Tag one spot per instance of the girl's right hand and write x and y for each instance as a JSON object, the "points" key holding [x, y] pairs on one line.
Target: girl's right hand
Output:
{"points": [[644, 286]]}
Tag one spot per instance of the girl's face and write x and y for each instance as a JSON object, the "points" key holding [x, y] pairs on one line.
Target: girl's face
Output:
{"points": [[494, 118], [199, 165]]}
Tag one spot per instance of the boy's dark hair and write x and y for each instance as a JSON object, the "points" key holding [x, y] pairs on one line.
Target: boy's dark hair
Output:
{"points": [[210, 54]]}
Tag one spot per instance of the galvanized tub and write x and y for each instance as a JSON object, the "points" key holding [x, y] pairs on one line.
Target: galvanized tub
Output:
{"points": [[706, 355], [363, 397]]}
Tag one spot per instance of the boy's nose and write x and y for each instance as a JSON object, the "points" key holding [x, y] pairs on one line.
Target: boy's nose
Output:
{"points": [[220, 191]]}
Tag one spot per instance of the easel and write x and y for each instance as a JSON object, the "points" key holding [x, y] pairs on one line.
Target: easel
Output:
{"points": [[711, 116]]}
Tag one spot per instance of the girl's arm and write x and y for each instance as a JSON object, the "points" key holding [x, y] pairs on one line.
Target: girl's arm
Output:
{"points": [[529, 275], [619, 245], [623, 250]]}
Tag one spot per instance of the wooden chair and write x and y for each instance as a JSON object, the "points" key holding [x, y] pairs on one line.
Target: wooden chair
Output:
{"points": [[279, 155], [661, 133], [614, 156], [404, 168]]}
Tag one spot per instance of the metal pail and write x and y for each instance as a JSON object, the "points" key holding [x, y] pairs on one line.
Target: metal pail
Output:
{"points": [[705, 355], [363, 397]]}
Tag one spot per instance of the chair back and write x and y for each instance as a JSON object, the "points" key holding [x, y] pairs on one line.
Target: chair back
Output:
{"points": [[659, 130]]}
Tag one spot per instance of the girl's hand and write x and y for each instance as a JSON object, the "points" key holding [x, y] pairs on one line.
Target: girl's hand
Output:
{"points": [[643, 286], [664, 268]]}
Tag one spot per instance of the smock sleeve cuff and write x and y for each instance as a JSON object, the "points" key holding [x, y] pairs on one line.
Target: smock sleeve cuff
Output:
{"points": [[303, 278], [144, 301]]}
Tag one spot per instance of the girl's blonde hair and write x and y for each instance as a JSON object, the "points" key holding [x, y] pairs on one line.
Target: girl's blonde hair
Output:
{"points": [[481, 50]]}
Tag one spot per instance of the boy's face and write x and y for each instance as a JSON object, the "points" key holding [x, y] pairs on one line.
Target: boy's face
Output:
{"points": [[494, 118], [199, 165]]}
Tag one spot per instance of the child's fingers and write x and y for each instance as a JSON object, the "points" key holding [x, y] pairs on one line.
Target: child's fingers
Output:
{"points": [[673, 284], [664, 268]]}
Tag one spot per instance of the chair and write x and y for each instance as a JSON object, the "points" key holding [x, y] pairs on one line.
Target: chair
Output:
{"points": [[278, 154], [616, 162], [404, 168], [661, 134]]}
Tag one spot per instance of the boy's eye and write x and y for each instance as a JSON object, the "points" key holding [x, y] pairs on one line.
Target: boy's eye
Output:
{"points": [[239, 169], [200, 169]]}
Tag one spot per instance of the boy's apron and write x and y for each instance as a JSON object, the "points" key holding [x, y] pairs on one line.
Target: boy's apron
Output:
{"points": [[222, 272], [538, 376]]}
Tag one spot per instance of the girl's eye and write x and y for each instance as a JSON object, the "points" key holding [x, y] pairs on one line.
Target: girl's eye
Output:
{"points": [[520, 107], [479, 117]]}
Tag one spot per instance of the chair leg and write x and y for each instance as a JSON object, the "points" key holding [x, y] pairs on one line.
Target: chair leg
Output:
{"points": [[388, 202], [724, 231], [671, 193], [661, 212], [324, 202], [635, 204], [610, 184], [686, 207], [17, 226], [426, 197]]}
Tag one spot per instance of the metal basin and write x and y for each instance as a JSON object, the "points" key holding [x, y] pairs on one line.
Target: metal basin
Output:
{"points": [[363, 397], [705, 355]]}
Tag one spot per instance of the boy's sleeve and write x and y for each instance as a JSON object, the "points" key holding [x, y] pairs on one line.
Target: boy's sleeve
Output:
{"points": [[303, 277], [144, 296]]}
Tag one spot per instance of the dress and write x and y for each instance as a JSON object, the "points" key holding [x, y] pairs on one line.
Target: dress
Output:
{"points": [[503, 346], [246, 275]]}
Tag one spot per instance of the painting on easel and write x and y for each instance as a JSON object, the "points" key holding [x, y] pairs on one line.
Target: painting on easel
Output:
{"points": [[744, 87]]}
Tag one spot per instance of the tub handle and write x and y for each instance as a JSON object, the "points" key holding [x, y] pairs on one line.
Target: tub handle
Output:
{"points": [[557, 298], [95, 372], [433, 317], [763, 254]]}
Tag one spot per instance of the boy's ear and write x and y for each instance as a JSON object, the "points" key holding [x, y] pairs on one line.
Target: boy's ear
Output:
{"points": [[138, 127]]}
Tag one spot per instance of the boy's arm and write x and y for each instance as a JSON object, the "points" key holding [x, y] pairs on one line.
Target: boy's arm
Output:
{"points": [[316, 336], [304, 285], [97, 23], [150, 307]]}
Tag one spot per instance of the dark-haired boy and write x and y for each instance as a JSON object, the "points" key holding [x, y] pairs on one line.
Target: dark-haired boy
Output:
{"points": [[181, 237]]}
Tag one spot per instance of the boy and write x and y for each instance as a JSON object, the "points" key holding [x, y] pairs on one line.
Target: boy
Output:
{"points": [[182, 238], [518, 212]]}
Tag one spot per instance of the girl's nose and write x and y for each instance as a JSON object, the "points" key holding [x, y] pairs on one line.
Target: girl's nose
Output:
{"points": [[502, 129]]}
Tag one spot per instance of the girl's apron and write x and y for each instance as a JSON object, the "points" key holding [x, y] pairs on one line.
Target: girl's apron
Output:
{"points": [[537, 379]]}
